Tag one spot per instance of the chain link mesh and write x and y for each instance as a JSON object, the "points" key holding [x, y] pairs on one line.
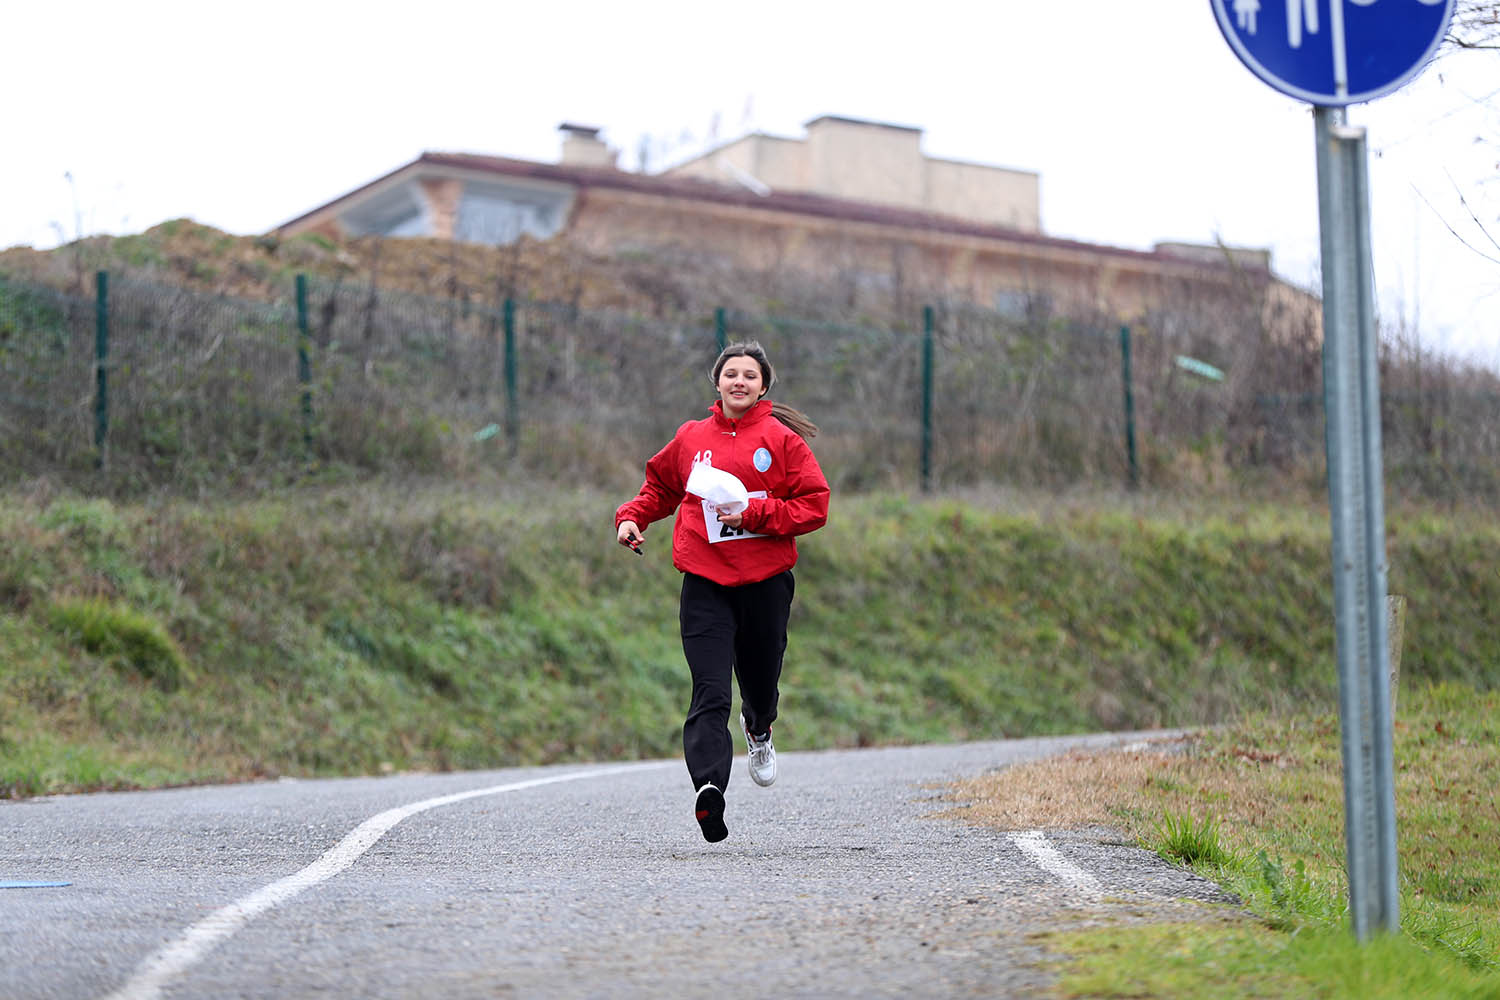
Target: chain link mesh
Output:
{"points": [[211, 393]]}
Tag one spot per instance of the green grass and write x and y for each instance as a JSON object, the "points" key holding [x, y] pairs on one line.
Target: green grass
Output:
{"points": [[124, 636], [1248, 960], [350, 630], [346, 630], [1191, 842], [1257, 806]]}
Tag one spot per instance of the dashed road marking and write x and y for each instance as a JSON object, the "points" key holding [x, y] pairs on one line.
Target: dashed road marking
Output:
{"points": [[1034, 844]]}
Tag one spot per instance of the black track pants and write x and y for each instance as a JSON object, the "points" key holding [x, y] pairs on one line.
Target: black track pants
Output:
{"points": [[730, 630]]}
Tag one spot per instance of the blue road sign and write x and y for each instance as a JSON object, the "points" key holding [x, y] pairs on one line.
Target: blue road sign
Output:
{"points": [[1334, 52]]}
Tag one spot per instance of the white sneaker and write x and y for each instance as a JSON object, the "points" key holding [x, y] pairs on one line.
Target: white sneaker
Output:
{"points": [[762, 756]]}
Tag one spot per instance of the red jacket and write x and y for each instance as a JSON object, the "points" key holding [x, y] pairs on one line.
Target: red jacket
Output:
{"points": [[788, 496]]}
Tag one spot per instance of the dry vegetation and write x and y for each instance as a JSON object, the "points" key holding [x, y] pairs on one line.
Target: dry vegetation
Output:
{"points": [[1257, 805], [1069, 792], [186, 254], [408, 364]]}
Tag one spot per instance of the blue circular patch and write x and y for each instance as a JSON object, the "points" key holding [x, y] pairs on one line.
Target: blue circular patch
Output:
{"points": [[762, 459]]}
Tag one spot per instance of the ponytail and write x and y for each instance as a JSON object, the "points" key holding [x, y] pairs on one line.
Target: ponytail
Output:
{"points": [[795, 419]]}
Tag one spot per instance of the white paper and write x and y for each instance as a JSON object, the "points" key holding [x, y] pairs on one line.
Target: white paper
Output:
{"points": [[720, 488]]}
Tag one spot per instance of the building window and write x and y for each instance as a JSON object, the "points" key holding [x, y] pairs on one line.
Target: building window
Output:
{"points": [[497, 215], [395, 213]]}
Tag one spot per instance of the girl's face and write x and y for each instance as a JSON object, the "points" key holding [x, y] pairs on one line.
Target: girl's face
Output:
{"points": [[740, 385]]}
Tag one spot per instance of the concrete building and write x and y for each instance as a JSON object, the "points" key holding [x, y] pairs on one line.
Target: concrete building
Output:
{"points": [[854, 201], [877, 163]]}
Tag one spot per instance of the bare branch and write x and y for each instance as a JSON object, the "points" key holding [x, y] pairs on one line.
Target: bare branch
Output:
{"points": [[1465, 203], [1456, 234], [1475, 25]]}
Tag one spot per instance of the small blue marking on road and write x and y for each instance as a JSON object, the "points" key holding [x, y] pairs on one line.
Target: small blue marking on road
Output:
{"points": [[32, 885]]}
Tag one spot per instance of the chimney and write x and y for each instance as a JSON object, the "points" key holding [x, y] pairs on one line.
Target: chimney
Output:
{"points": [[582, 147]]}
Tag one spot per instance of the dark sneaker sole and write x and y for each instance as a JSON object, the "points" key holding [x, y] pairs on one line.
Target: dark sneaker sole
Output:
{"points": [[709, 811]]}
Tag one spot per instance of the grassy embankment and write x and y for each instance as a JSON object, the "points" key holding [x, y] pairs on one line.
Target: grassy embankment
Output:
{"points": [[355, 630], [1258, 807]]}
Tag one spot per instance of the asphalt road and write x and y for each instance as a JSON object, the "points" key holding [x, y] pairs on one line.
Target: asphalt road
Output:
{"points": [[574, 881]]}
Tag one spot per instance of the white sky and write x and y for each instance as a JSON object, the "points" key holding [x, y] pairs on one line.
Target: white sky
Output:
{"points": [[1141, 122]]}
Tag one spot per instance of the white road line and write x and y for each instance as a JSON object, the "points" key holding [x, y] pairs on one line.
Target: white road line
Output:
{"points": [[198, 940], [1033, 843]]}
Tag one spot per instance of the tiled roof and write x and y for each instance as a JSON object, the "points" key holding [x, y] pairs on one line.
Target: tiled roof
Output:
{"points": [[792, 202]]}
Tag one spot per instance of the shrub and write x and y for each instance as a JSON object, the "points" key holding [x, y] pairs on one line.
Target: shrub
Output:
{"points": [[124, 636]]}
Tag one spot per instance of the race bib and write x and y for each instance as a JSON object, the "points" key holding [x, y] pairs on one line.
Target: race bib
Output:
{"points": [[718, 532]]}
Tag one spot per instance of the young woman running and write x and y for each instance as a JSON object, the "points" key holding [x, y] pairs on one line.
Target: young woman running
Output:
{"points": [[736, 563]]}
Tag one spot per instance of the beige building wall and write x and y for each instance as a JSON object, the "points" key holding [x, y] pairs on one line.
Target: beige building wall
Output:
{"points": [[442, 194], [866, 162], [1257, 258], [874, 162], [1003, 197], [900, 260], [778, 163]]}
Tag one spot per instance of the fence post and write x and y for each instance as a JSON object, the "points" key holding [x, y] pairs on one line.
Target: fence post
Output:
{"points": [[927, 323], [1129, 408], [721, 329], [512, 404], [304, 364], [101, 366]]}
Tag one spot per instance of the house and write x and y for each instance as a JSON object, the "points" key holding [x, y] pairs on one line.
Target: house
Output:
{"points": [[855, 201]]}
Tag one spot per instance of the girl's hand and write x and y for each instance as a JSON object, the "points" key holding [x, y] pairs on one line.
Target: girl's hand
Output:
{"points": [[733, 520], [630, 535]]}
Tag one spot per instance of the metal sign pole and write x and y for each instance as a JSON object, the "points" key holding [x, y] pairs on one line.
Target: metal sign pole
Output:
{"points": [[1362, 51], [1351, 393]]}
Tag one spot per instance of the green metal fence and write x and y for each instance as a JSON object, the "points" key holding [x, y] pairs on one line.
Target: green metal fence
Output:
{"points": [[147, 386], [47, 380], [197, 386]]}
